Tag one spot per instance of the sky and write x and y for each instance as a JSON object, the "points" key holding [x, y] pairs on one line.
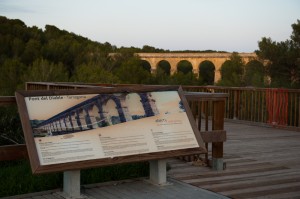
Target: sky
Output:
{"points": [[222, 25]]}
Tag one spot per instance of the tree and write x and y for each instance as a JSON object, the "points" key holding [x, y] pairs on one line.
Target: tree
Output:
{"points": [[164, 66], [232, 71], [296, 34], [132, 72], [283, 65], [43, 70], [185, 67], [179, 78], [207, 72], [93, 73], [160, 77], [17, 47], [146, 65], [151, 49], [31, 52], [254, 74], [10, 80]]}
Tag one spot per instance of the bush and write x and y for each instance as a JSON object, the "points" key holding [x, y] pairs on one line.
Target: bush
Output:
{"points": [[16, 177], [10, 124]]}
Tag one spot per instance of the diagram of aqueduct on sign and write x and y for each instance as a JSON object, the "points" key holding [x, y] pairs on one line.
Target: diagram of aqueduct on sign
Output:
{"points": [[90, 114]]}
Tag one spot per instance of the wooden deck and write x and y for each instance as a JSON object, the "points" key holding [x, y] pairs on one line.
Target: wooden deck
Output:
{"points": [[130, 189], [261, 162]]}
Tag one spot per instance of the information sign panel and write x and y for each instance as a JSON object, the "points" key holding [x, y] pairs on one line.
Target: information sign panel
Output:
{"points": [[74, 129]]}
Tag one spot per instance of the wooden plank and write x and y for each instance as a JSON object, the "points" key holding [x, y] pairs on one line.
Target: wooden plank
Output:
{"points": [[264, 191], [213, 136], [49, 196], [235, 176], [203, 96], [291, 195], [142, 189], [13, 152], [259, 164], [252, 183], [192, 172], [237, 160], [221, 175], [7, 100]]}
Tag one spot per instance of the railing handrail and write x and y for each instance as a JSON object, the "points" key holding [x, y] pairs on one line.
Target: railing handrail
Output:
{"points": [[203, 96], [7, 100], [242, 88], [84, 85]]}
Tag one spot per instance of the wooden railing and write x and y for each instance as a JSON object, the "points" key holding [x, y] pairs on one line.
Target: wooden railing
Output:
{"points": [[270, 106], [11, 152], [262, 106], [207, 108]]}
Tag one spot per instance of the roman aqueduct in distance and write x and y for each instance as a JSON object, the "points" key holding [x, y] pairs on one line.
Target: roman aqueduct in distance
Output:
{"points": [[194, 58]]}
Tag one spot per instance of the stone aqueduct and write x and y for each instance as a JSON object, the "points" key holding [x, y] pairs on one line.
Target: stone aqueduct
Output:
{"points": [[194, 58]]}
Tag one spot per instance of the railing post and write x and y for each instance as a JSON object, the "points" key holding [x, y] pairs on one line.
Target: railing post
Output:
{"points": [[236, 104], [218, 124], [298, 112]]}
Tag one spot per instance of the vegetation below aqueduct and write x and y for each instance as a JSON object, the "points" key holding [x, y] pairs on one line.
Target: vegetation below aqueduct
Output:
{"points": [[32, 54]]}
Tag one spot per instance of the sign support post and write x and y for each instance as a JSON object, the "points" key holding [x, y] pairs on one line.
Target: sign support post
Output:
{"points": [[72, 184], [158, 172]]}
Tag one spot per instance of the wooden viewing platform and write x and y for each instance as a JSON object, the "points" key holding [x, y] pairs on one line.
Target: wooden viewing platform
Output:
{"points": [[261, 162]]}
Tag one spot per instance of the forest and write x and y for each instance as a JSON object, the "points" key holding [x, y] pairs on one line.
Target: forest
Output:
{"points": [[54, 55]]}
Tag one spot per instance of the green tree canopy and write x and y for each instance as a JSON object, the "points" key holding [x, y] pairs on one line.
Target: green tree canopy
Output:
{"points": [[42, 70], [179, 78], [232, 71], [160, 77], [185, 67], [164, 66], [207, 72], [283, 59], [254, 74], [146, 65], [31, 52], [11, 70], [93, 73], [132, 72]]}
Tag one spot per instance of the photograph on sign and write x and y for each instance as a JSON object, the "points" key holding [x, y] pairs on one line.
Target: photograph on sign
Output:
{"points": [[66, 128]]}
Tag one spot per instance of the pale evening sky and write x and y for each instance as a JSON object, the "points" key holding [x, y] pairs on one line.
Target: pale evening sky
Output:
{"points": [[223, 25]]}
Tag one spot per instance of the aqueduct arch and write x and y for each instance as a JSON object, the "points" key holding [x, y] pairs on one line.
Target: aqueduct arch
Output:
{"points": [[194, 58]]}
